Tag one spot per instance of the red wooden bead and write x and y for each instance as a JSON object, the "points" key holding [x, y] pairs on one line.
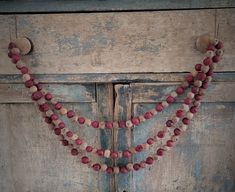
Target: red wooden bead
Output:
{"points": [[74, 152], [78, 141], [179, 90], [135, 121], [39, 86], [58, 106], [150, 141], [114, 155], [170, 143], [198, 97], [148, 115], [65, 142], [136, 166], [11, 45], [109, 124], [24, 70], [81, 120], [37, 95], [48, 96], [122, 124], [9, 54], [70, 114], [187, 101], [96, 167], [149, 160], [159, 107], [15, 58], [61, 125], [29, 83], [69, 133], [169, 123], [139, 148], [109, 170], [89, 149], [210, 72], [179, 113], [44, 107], [189, 78], [216, 59], [123, 170], [201, 76], [100, 152], [160, 152], [170, 99], [207, 61], [211, 47], [205, 85], [161, 134], [85, 160], [54, 117], [48, 120], [177, 131], [193, 109], [57, 131], [194, 89], [219, 45], [95, 124], [126, 153], [185, 121], [198, 67]]}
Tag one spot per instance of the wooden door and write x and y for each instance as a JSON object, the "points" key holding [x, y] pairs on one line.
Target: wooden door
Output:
{"points": [[114, 65]]}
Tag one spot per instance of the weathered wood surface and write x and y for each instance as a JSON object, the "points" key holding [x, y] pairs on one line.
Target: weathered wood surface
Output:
{"points": [[104, 5], [122, 42]]}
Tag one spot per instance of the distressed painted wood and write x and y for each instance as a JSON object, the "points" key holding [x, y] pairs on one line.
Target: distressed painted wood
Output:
{"points": [[113, 43], [104, 5]]}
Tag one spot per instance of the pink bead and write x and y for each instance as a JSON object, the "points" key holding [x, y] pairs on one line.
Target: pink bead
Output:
{"points": [[57, 131], [61, 125], [148, 115], [37, 95], [139, 148], [177, 131], [81, 120], [78, 141], [161, 134], [216, 59], [95, 124], [136, 166], [109, 125], [170, 99], [189, 78], [150, 141], [48, 96], [169, 123], [44, 107], [69, 133], [70, 114], [170, 143], [201, 76], [126, 153], [149, 160], [179, 90], [122, 124], [54, 117], [29, 83], [100, 152], [160, 152], [207, 61], [24, 70], [15, 58], [159, 107], [89, 149], [58, 106], [85, 160], [193, 109], [74, 152], [109, 170], [179, 113], [219, 45], [186, 121], [96, 167], [135, 121], [114, 155], [198, 67], [65, 142]]}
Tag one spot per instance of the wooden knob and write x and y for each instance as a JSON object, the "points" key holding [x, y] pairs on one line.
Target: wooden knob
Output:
{"points": [[202, 42], [24, 44]]}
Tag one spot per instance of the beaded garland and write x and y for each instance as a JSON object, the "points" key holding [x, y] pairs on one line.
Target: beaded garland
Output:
{"points": [[198, 81]]}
